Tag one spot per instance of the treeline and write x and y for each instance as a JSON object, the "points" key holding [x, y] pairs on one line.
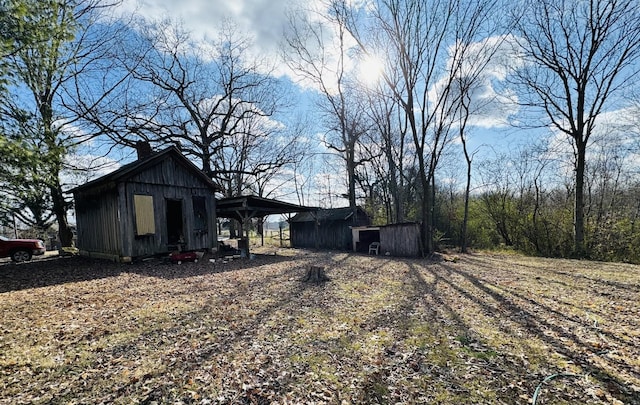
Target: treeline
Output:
{"points": [[560, 71], [524, 202], [543, 224]]}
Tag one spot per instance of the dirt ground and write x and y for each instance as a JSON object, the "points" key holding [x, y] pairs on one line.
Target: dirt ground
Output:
{"points": [[473, 329]]}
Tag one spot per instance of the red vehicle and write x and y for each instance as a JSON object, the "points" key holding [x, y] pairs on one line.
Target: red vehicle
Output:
{"points": [[20, 250], [179, 257]]}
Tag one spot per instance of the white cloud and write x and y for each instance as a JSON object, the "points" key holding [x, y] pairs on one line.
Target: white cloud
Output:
{"points": [[486, 64], [264, 21], [616, 135], [87, 167], [614, 139]]}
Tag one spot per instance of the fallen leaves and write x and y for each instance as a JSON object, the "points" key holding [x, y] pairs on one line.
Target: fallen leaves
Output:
{"points": [[481, 329]]}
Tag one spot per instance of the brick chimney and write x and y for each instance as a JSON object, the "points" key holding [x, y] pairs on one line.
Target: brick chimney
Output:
{"points": [[144, 149]]}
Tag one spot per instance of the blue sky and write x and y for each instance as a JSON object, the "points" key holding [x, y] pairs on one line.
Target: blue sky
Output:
{"points": [[264, 21], [267, 20]]}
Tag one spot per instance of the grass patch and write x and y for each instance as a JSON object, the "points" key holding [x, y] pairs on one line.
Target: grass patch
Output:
{"points": [[486, 329]]}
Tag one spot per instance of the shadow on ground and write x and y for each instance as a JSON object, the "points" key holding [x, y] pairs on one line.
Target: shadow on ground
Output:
{"points": [[57, 270]]}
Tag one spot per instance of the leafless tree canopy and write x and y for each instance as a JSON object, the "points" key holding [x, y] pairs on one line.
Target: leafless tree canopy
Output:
{"points": [[579, 56]]}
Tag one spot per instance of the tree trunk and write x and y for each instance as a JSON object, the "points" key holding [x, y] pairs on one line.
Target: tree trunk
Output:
{"points": [[65, 233], [396, 214], [579, 247], [465, 218], [427, 220], [467, 190], [351, 174]]}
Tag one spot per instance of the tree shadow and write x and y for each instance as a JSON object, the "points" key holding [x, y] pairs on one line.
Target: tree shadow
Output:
{"points": [[555, 335], [58, 270], [618, 293], [192, 338], [237, 330], [54, 271]]}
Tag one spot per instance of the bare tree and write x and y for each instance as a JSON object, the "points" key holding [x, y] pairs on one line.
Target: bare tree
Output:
{"points": [[391, 158], [303, 171], [209, 97], [578, 56], [319, 51], [474, 58], [420, 39]]}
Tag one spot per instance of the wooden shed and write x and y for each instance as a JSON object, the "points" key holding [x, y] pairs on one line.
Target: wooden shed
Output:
{"points": [[159, 203], [326, 228], [401, 239], [395, 239]]}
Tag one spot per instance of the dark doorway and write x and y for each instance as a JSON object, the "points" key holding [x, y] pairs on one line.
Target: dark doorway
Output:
{"points": [[366, 238], [174, 222]]}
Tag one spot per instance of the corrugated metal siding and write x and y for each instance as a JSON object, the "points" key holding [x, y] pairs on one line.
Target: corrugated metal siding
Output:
{"points": [[332, 214]]}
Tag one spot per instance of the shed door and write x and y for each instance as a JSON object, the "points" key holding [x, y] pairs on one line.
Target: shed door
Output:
{"points": [[175, 232]]}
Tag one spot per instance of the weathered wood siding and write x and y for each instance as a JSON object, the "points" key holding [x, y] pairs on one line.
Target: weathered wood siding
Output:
{"points": [[97, 223], [168, 173], [159, 242], [169, 181], [330, 234], [333, 235], [400, 240], [106, 219]]}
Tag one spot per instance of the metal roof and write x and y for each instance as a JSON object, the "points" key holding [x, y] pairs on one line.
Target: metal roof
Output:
{"points": [[331, 214], [245, 207]]}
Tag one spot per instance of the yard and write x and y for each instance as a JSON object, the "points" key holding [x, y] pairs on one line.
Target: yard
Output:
{"points": [[485, 329]]}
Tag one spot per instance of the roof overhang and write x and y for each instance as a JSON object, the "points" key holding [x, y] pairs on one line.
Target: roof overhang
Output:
{"points": [[247, 207]]}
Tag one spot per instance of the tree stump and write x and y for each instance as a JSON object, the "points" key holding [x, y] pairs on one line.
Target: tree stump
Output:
{"points": [[315, 274]]}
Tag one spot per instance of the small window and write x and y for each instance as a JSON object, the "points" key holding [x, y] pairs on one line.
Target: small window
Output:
{"points": [[199, 213], [145, 222]]}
